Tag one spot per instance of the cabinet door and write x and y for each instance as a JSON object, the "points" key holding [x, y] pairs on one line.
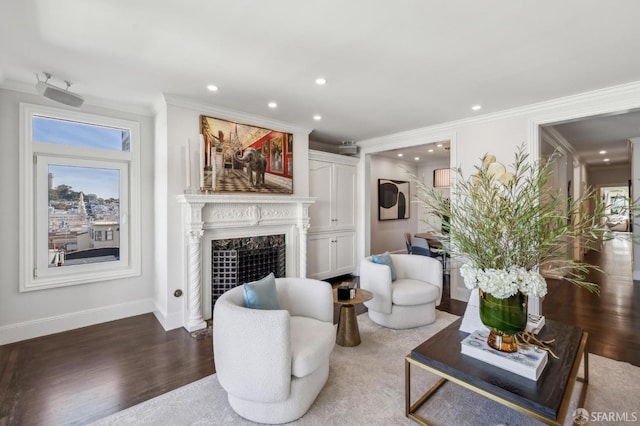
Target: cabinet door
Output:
{"points": [[345, 199], [321, 187], [344, 245], [320, 256]]}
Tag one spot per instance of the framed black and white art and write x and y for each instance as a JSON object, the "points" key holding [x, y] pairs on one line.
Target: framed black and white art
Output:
{"points": [[393, 199]]}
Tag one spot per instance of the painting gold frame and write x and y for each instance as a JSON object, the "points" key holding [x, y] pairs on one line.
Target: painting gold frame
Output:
{"points": [[238, 157]]}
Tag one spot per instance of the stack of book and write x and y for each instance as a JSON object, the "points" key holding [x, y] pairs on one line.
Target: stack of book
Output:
{"points": [[528, 362]]}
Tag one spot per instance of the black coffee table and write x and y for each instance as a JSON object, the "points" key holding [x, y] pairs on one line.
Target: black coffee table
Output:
{"points": [[546, 399]]}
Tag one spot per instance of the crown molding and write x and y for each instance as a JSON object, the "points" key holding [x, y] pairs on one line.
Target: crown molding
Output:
{"points": [[88, 100], [558, 141], [585, 104], [229, 114], [332, 157]]}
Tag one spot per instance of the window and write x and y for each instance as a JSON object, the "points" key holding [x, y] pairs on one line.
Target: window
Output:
{"points": [[79, 198]]}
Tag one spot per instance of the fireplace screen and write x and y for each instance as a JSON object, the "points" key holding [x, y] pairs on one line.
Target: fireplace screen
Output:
{"points": [[240, 260]]}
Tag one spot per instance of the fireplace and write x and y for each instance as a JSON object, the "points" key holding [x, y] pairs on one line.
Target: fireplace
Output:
{"points": [[236, 261], [209, 219]]}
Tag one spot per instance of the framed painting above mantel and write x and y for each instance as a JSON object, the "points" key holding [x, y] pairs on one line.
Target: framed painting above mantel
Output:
{"points": [[237, 157]]}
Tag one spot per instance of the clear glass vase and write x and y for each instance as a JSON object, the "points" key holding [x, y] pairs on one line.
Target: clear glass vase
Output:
{"points": [[504, 318]]}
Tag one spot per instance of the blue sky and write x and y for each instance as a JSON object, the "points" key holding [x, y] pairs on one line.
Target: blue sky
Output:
{"points": [[76, 134], [104, 183]]}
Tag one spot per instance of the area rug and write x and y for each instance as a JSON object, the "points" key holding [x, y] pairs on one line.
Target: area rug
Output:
{"points": [[366, 387]]}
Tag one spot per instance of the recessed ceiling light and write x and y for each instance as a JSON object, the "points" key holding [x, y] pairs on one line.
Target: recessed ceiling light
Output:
{"points": [[400, 154], [212, 87], [273, 105], [431, 150], [317, 117], [476, 107], [603, 152], [321, 81], [606, 160], [417, 158], [439, 145]]}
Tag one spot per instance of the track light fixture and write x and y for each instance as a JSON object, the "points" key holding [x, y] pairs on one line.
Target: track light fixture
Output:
{"points": [[63, 96]]}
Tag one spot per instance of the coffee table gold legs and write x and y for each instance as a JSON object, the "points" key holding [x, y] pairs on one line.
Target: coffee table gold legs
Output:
{"points": [[410, 409], [348, 333]]}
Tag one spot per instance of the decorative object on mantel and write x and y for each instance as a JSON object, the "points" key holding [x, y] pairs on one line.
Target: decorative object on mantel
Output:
{"points": [[507, 227], [235, 157]]}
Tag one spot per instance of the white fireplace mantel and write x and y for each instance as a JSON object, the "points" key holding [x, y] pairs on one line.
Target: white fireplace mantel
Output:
{"points": [[207, 217]]}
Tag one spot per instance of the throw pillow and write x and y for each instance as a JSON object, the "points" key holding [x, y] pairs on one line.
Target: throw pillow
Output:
{"points": [[385, 259], [262, 294]]}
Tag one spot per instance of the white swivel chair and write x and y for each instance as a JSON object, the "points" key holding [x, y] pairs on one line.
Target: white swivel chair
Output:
{"points": [[409, 301], [274, 363]]}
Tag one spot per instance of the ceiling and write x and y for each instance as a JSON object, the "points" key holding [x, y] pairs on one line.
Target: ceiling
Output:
{"points": [[388, 68], [608, 133], [435, 153]]}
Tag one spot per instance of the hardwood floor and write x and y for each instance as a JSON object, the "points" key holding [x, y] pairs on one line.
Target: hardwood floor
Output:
{"points": [[612, 319], [82, 375]]}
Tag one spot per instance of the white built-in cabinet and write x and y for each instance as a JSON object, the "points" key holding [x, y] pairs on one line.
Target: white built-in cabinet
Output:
{"points": [[331, 242]]}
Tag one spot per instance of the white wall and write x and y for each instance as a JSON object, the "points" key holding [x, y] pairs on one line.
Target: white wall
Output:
{"points": [[500, 133], [35, 313], [388, 235], [429, 222], [179, 120], [612, 175]]}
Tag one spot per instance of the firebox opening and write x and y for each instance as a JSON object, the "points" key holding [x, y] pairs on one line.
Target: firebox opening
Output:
{"points": [[240, 260]]}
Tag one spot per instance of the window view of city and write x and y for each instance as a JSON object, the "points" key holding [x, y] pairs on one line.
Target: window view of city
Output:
{"points": [[84, 215], [83, 201]]}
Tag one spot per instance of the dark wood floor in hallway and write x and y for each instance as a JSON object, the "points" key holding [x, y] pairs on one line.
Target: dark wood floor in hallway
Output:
{"points": [[612, 318], [82, 375]]}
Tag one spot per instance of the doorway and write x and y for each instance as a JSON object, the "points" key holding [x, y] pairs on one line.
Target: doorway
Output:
{"points": [[408, 164]]}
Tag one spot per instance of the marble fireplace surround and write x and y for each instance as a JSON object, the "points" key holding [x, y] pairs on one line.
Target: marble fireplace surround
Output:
{"points": [[208, 217]]}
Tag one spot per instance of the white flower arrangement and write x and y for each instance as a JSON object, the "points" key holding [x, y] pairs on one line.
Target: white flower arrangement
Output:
{"points": [[503, 283], [509, 225]]}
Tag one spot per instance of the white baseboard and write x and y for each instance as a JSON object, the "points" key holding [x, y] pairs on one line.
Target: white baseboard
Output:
{"points": [[168, 321], [56, 324]]}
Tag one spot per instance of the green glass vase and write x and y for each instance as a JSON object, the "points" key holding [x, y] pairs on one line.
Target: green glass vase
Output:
{"points": [[504, 318]]}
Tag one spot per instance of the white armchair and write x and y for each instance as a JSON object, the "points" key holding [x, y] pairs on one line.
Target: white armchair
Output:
{"points": [[274, 363], [409, 301]]}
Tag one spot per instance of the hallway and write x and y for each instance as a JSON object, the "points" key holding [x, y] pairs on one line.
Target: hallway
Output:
{"points": [[611, 319]]}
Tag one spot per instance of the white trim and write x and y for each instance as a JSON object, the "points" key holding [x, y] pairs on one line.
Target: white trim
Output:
{"points": [[27, 247], [333, 158], [168, 321], [207, 217], [56, 324], [401, 140], [88, 100], [78, 274], [553, 137], [611, 100], [228, 114], [606, 98]]}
